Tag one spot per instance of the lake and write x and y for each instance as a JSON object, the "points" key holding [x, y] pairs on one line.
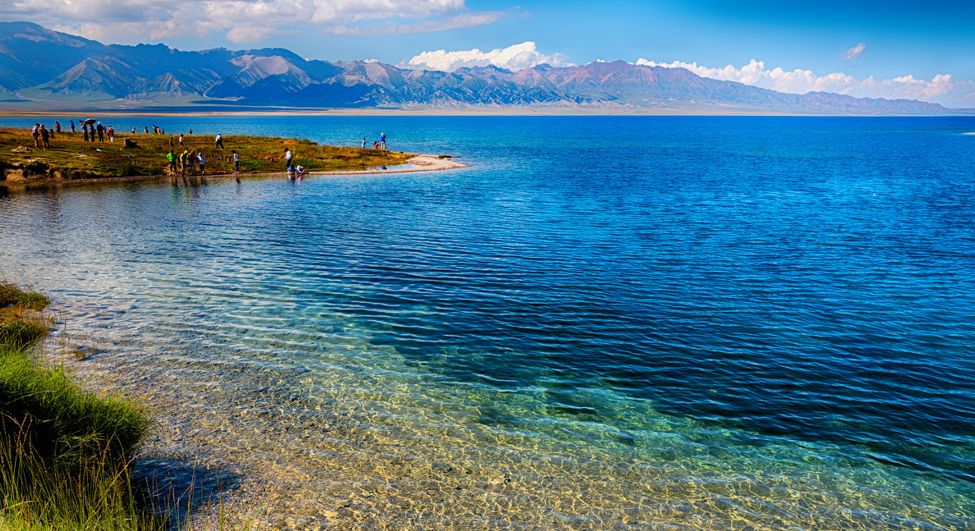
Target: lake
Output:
{"points": [[603, 321]]}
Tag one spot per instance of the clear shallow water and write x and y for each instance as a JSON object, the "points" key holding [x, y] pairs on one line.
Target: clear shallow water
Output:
{"points": [[604, 321]]}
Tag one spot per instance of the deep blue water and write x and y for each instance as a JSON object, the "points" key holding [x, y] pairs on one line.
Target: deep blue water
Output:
{"points": [[794, 281]]}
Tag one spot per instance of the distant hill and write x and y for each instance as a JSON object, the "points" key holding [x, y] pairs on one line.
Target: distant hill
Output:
{"points": [[41, 68]]}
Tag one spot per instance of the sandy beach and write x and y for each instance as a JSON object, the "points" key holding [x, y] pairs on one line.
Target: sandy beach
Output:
{"points": [[416, 164]]}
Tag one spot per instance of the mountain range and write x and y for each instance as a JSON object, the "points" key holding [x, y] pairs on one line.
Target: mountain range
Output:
{"points": [[42, 68]]}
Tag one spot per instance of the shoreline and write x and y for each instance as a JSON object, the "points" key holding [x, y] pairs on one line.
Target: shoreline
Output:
{"points": [[415, 164], [447, 112]]}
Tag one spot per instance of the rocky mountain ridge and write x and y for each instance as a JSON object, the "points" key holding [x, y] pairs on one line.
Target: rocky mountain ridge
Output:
{"points": [[38, 64]]}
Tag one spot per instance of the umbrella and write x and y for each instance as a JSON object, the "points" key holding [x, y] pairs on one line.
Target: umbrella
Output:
{"points": [[90, 121]]}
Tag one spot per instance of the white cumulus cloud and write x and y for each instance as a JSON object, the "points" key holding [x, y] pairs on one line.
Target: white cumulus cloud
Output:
{"points": [[941, 88], [515, 57], [855, 52]]}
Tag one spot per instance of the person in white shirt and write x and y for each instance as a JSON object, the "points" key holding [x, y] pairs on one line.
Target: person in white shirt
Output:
{"points": [[287, 160]]}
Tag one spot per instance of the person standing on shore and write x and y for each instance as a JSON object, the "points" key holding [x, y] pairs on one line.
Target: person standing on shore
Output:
{"points": [[36, 133], [191, 161], [237, 165], [171, 159], [72, 127], [218, 142], [363, 142], [382, 140], [57, 127], [202, 161], [45, 137], [181, 140], [84, 129], [182, 162], [111, 134], [287, 160], [101, 132]]}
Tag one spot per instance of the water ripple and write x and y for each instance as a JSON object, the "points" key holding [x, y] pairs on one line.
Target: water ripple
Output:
{"points": [[773, 320]]}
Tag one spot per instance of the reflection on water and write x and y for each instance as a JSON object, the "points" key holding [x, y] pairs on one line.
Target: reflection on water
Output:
{"points": [[651, 321]]}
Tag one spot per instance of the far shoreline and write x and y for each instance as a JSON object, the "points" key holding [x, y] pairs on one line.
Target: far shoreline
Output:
{"points": [[446, 112]]}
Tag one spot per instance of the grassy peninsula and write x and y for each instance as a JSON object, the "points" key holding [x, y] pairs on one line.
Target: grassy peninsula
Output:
{"points": [[64, 452], [71, 158]]}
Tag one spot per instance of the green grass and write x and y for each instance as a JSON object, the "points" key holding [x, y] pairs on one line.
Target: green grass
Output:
{"points": [[11, 295], [40, 494], [18, 331], [64, 452], [69, 157], [66, 424]]}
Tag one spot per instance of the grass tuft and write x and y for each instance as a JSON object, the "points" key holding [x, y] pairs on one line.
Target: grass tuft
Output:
{"points": [[39, 494], [64, 452], [19, 332], [11, 295], [67, 424]]}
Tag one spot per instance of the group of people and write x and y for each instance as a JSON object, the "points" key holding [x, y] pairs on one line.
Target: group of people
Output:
{"points": [[188, 160], [181, 160], [295, 170], [380, 143], [42, 136], [193, 160], [93, 131], [90, 128]]}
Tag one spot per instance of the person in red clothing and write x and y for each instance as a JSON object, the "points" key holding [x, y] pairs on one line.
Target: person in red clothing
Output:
{"points": [[111, 134]]}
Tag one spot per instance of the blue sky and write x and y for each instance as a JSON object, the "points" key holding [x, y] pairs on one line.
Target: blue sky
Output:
{"points": [[920, 38], [808, 41]]}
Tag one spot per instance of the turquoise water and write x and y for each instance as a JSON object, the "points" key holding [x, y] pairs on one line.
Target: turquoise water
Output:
{"points": [[601, 322]]}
